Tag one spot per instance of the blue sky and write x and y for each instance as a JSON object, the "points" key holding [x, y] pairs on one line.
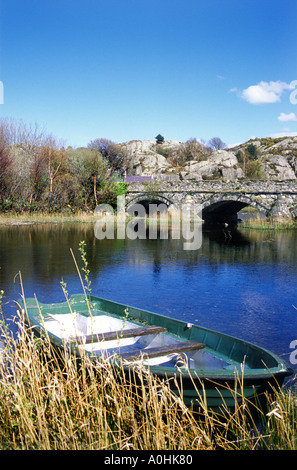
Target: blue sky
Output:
{"points": [[131, 69]]}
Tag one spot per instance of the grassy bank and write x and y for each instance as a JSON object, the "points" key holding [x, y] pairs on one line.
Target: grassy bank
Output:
{"points": [[49, 401], [45, 218], [258, 223]]}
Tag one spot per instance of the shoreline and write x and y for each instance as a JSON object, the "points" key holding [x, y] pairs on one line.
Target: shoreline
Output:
{"points": [[10, 219]]}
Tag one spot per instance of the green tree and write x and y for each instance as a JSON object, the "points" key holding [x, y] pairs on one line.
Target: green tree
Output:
{"points": [[250, 166], [253, 151], [160, 139]]}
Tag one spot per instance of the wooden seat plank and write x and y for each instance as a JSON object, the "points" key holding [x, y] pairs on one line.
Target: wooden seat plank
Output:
{"points": [[119, 334], [180, 347]]}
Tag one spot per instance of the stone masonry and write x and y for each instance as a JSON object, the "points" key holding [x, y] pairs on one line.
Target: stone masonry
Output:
{"points": [[220, 200]]}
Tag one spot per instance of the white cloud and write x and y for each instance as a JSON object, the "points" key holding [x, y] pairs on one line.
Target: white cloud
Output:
{"points": [[287, 117], [283, 134], [265, 92], [235, 144]]}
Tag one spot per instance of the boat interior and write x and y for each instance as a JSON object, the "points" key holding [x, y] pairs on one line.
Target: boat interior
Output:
{"points": [[107, 335]]}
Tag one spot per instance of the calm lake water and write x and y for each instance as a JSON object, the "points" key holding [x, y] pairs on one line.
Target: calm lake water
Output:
{"points": [[243, 285]]}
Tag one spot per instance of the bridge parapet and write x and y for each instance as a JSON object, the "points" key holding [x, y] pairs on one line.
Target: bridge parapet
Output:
{"points": [[217, 185]]}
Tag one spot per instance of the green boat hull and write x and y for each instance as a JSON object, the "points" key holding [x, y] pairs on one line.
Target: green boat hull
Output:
{"points": [[230, 369]]}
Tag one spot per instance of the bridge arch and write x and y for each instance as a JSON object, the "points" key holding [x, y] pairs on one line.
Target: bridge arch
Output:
{"points": [[224, 208], [145, 199]]}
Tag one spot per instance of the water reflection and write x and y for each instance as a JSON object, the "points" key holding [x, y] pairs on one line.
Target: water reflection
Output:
{"points": [[239, 282]]}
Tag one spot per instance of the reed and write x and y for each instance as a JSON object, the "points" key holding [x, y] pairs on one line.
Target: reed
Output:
{"points": [[282, 421], [49, 401], [258, 223]]}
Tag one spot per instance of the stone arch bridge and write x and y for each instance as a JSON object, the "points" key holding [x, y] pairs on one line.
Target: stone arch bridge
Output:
{"points": [[220, 200]]}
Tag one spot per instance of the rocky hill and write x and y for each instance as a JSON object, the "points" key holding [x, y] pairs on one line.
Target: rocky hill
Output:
{"points": [[268, 158]]}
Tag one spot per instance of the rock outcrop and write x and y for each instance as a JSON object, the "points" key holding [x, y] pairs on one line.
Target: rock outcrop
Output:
{"points": [[277, 167], [221, 164], [276, 159], [144, 159]]}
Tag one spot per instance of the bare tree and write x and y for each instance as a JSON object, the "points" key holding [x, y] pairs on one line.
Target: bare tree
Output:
{"points": [[101, 145], [115, 154], [217, 144], [13, 132], [37, 161], [54, 158], [192, 149], [5, 162], [31, 151]]}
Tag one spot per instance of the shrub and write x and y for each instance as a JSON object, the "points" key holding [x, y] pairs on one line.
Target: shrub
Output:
{"points": [[253, 170]]}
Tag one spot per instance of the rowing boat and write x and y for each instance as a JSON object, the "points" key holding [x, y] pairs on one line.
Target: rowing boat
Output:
{"points": [[209, 363]]}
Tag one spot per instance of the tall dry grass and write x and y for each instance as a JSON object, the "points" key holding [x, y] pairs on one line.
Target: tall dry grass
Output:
{"points": [[49, 400]]}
